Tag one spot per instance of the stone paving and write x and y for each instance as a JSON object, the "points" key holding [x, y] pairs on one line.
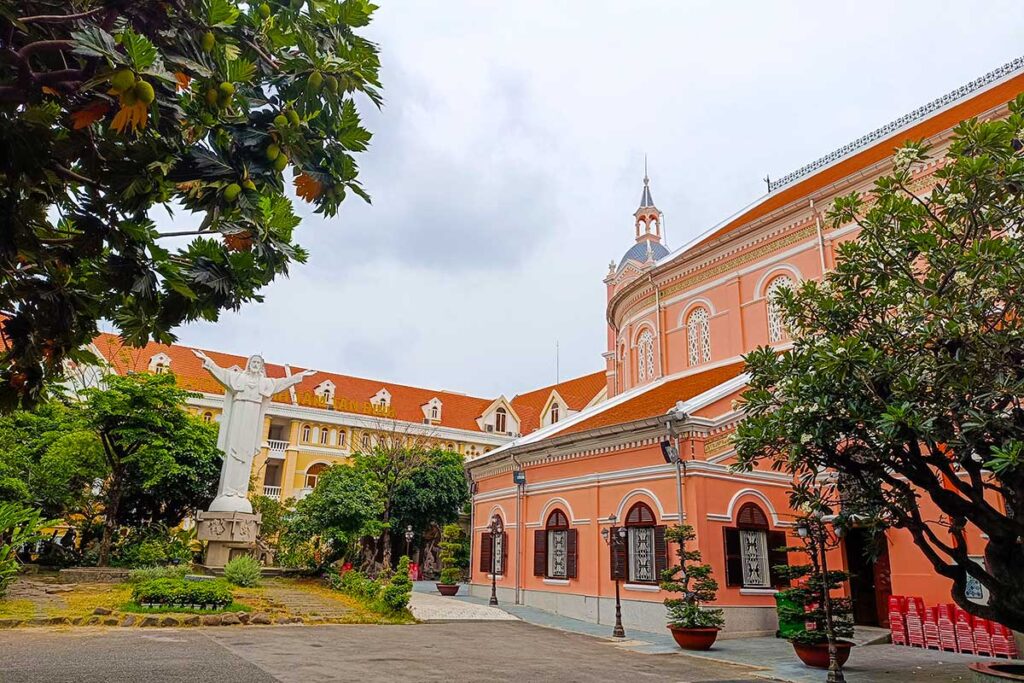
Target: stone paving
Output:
{"points": [[305, 603], [434, 608], [767, 658]]}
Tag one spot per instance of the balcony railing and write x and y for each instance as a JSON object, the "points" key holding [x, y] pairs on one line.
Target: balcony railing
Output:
{"points": [[272, 492], [276, 445]]}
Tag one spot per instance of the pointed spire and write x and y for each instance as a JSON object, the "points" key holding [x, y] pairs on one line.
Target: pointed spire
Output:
{"points": [[645, 198]]}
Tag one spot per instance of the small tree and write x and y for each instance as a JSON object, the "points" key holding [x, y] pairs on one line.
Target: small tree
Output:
{"points": [[18, 525], [805, 601], [452, 540], [693, 580]]}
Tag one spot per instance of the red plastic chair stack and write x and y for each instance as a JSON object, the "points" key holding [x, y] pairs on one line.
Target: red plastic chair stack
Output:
{"points": [[982, 636], [915, 612], [1003, 644], [931, 629], [947, 628], [964, 632], [897, 622]]}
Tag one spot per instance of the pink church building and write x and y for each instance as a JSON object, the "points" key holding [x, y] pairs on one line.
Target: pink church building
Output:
{"points": [[677, 326]]}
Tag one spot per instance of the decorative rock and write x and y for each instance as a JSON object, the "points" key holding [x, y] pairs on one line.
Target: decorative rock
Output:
{"points": [[282, 620], [149, 620], [243, 617], [129, 620], [110, 621], [211, 620], [260, 618], [92, 621], [48, 621], [102, 611], [230, 619], [10, 623], [169, 621], [192, 620]]}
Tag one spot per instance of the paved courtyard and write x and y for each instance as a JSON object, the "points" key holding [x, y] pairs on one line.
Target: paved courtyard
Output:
{"points": [[460, 651]]}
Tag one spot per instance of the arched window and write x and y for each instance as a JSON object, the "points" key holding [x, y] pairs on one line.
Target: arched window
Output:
{"points": [[500, 420], [645, 356], [207, 416], [451, 447], [644, 560], [433, 412], [365, 441], [307, 433], [751, 550], [325, 436], [492, 550], [341, 438], [698, 336], [776, 321], [313, 474], [555, 409], [555, 551]]}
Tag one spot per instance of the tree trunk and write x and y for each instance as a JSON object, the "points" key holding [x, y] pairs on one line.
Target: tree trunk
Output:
{"points": [[385, 544], [110, 513]]}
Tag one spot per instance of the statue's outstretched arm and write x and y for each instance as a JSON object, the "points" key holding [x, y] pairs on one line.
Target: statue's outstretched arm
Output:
{"points": [[283, 383], [220, 374]]}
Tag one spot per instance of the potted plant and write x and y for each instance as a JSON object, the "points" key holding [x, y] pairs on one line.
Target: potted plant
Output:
{"points": [[810, 600], [693, 626], [451, 543]]}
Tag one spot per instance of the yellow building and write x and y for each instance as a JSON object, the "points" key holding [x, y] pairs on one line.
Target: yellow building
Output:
{"points": [[326, 418]]}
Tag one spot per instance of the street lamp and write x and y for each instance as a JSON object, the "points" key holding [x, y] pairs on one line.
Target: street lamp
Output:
{"points": [[496, 528], [614, 541], [816, 530], [408, 539]]}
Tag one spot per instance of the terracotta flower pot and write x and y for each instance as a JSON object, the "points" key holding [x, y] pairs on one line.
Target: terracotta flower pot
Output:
{"points": [[447, 589], [817, 655], [694, 638], [997, 672]]}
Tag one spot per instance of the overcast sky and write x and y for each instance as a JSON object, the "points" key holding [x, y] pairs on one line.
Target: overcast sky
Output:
{"points": [[507, 163]]}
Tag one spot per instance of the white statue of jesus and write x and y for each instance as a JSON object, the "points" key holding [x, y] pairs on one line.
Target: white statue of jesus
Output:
{"points": [[247, 395]]}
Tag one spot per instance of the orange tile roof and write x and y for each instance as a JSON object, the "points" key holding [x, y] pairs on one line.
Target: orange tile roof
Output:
{"points": [[658, 400], [457, 411], [577, 393]]}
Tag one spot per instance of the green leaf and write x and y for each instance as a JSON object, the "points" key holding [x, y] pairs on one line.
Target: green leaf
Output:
{"points": [[141, 53], [221, 13], [93, 41]]}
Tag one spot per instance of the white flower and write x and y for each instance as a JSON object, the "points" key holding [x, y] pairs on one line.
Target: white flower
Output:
{"points": [[904, 157], [956, 199], [961, 279], [805, 439], [990, 293]]}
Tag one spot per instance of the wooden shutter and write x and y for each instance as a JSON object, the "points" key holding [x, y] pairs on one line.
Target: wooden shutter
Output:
{"points": [[571, 548], [660, 552], [504, 553], [486, 547], [619, 555], [733, 563], [777, 540], [540, 552]]}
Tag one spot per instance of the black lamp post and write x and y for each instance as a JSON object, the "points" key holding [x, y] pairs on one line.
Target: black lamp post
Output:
{"points": [[496, 528], [818, 533], [408, 539], [614, 541]]}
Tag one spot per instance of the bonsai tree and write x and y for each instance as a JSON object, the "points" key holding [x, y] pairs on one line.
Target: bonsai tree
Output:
{"points": [[451, 545], [805, 602], [693, 581]]}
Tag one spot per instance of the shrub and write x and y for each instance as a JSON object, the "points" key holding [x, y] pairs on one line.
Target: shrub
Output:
{"points": [[18, 525], [395, 595], [452, 540], [149, 573], [243, 571], [358, 585], [168, 591], [694, 581]]}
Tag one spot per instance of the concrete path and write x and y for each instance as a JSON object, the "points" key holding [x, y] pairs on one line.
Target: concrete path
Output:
{"points": [[305, 603], [432, 607], [769, 658], [509, 651]]}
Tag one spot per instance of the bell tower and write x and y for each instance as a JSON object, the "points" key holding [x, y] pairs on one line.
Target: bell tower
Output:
{"points": [[648, 216]]}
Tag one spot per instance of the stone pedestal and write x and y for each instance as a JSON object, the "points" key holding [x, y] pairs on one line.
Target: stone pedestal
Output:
{"points": [[228, 535]]}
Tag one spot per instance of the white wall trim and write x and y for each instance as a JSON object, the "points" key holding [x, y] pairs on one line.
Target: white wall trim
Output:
{"points": [[771, 274], [641, 587], [636, 493]]}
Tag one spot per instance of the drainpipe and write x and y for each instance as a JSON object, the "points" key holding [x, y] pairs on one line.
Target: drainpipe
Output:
{"points": [[519, 526], [821, 238], [472, 527]]}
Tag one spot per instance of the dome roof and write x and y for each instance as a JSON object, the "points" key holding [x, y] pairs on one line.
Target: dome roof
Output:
{"points": [[638, 252]]}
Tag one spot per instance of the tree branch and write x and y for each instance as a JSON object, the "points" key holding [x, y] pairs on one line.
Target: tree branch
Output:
{"points": [[57, 18]]}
